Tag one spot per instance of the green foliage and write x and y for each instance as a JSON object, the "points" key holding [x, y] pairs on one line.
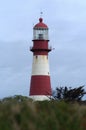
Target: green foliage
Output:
{"points": [[70, 94], [21, 113]]}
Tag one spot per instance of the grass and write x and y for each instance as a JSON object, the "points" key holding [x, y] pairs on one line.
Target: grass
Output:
{"points": [[21, 113]]}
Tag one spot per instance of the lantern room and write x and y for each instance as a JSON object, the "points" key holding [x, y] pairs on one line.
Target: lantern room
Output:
{"points": [[40, 31]]}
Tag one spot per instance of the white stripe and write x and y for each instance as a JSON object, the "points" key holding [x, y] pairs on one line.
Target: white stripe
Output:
{"points": [[40, 65]]}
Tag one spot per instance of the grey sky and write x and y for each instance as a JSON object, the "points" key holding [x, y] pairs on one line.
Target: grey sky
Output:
{"points": [[67, 31]]}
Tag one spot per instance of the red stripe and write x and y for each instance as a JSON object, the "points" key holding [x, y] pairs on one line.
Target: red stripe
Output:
{"points": [[40, 85], [40, 47], [41, 53], [40, 44]]}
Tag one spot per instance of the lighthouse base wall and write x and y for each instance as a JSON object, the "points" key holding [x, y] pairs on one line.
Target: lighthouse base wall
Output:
{"points": [[40, 97]]}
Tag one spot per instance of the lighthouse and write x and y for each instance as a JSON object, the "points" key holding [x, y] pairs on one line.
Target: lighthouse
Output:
{"points": [[40, 84]]}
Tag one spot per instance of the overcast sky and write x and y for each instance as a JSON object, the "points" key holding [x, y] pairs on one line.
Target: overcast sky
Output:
{"points": [[66, 20]]}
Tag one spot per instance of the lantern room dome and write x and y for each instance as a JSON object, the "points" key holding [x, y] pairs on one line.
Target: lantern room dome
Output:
{"points": [[41, 24]]}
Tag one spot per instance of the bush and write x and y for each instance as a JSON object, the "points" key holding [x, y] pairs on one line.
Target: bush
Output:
{"points": [[17, 114]]}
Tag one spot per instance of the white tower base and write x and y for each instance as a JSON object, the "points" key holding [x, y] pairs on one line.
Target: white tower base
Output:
{"points": [[40, 97]]}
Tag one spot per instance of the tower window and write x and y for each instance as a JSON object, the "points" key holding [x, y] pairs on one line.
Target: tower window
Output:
{"points": [[40, 36]]}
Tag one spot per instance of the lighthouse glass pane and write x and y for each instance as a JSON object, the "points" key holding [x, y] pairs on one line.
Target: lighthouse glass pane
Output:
{"points": [[40, 34]]}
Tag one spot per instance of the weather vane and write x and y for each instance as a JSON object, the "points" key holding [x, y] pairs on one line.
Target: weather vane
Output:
{"points": [[41, 14]]}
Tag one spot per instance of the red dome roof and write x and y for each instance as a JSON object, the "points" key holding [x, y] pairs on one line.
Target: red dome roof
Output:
{"points": [[40, 24]]}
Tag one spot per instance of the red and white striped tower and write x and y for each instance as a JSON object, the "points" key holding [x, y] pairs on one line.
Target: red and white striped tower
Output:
{"points": [[40, 86]]}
